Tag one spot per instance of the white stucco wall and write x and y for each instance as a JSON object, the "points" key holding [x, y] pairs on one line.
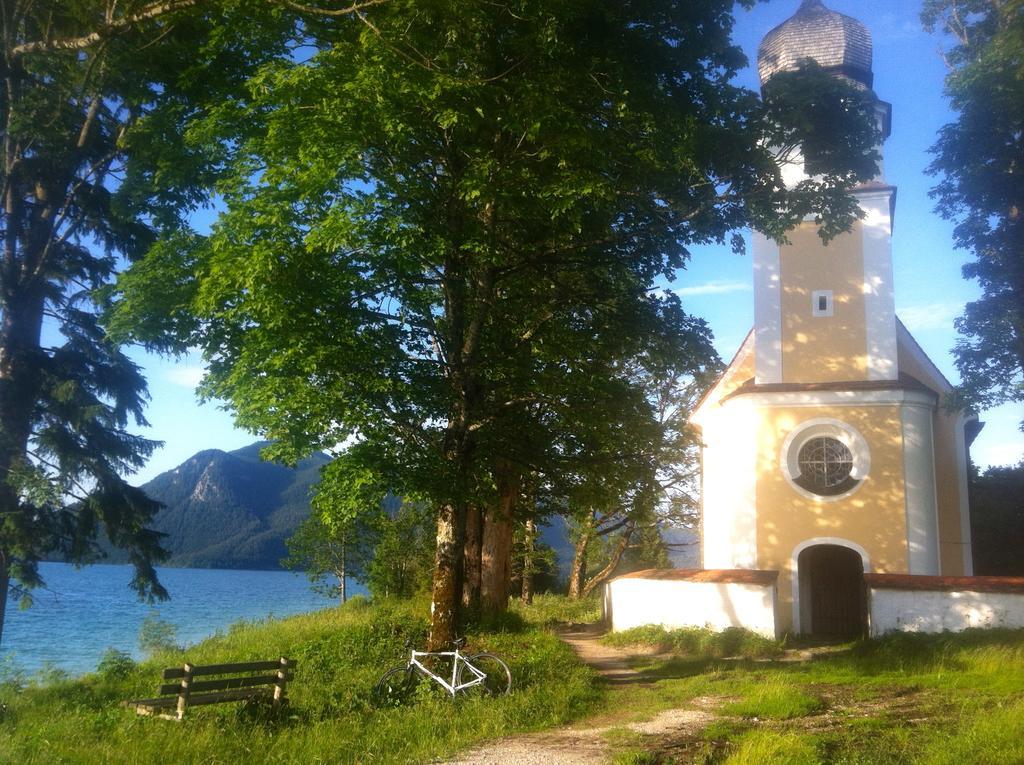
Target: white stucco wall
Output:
{"points": [[633, 602], [729, 463], [893, 610]]}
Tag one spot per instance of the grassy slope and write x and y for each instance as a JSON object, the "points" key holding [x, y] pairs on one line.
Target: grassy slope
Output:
{"points": [[934, 700], [906, 699], [341, 653]]}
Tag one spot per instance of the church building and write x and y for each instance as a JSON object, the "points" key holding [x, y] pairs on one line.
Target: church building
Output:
{"points": [[834, 479], [827, 450]]}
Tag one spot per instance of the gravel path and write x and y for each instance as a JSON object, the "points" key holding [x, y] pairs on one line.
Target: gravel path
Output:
{"points": [[584, 746]]}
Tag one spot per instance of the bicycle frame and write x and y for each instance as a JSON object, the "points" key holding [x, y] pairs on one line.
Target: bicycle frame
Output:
{"points": [[457, 659]]}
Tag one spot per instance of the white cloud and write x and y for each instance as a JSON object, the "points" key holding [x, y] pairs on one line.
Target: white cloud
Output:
{"points": [[712, 288], [930, 316], [186, 377]]}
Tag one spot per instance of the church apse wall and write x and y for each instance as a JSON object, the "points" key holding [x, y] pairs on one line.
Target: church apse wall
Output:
{"points": [[870, 515]]}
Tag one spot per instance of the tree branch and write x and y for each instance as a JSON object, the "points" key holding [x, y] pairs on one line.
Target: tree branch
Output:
{"points": [[313, 10], [113, 27], [155, 10]]}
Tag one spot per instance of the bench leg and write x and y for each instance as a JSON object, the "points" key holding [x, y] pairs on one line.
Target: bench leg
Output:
{"points": [[186, 683], [279, 686]]}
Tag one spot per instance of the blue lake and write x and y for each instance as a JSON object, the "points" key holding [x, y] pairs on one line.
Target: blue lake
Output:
{"points": [[83, 612]]}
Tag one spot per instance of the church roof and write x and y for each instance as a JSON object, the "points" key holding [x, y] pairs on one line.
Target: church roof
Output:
{"points": [[905, 382], [713, 575], [737, 379], [835, 41]]}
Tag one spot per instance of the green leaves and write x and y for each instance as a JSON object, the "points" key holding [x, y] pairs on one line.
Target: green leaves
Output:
{"points": [[978, 160], [441, 234], [104, 151]]}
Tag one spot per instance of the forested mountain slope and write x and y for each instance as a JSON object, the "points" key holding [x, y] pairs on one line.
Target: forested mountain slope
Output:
{"points": [[230, 509]]}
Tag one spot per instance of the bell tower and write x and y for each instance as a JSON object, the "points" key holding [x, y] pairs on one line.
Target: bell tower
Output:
{"points": [[826, 314]]}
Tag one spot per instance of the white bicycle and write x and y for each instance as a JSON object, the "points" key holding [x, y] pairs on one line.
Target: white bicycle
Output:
{"points": [[474, 674]]}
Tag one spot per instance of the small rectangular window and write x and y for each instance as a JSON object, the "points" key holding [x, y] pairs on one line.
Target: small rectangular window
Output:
{"points": [[821, 303]]}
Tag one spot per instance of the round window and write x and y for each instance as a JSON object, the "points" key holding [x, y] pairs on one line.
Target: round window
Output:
{"points": [[825, 459], [825, 466]]}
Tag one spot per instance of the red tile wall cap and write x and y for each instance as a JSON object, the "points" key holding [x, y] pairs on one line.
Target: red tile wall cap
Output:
{"points": [[945, 583], [719, 575]]}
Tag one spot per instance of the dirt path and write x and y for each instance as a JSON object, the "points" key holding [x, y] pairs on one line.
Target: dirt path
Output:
{"points": [[575, 745]]}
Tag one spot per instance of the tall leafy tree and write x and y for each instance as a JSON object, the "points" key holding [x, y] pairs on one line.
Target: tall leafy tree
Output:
{"points": [[86, 86], [439, 191], [979, 160], [629, 495], [331, 550]]}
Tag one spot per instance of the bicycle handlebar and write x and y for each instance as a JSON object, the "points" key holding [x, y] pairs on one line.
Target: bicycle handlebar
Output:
{"points": [[456, 642]]}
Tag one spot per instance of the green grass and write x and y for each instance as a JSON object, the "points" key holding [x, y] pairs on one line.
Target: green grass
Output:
{"points": [[775, 699], [934, 700], [995, 738], [634, 757], [554, 609], [701, 642], [766, 747], [341, 653], [929, 699]]}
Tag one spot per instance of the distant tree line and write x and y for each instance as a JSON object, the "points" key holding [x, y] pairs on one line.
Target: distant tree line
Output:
{"points": [[997, 520]]}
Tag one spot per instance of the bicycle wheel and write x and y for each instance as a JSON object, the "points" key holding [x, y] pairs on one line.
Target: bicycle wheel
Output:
{"points": [[396, 687], [497, 680]]}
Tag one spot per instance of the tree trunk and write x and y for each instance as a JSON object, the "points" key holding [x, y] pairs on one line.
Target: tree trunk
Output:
{"points": [[578, 574], [468, 298], [445, 595], [5, 582], [601, 576], [496, 549], [531, 533], [19, 387], [340, 573], [471, 559]]}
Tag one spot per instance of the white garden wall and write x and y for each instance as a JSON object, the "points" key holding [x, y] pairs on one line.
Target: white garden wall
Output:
{"points": [[677, 598], [937, 604]]}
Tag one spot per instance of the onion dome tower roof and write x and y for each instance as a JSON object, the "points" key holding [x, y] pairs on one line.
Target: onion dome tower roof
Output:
{"points": [[838, 43]]}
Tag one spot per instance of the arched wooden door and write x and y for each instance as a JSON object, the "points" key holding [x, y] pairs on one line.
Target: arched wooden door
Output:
{"points": [[832, 580]]}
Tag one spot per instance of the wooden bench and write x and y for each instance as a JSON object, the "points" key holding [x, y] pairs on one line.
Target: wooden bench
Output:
{"points": [[231, 682]]}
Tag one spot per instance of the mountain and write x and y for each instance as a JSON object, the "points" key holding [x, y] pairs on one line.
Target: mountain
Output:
{"points": [[231, 509]]}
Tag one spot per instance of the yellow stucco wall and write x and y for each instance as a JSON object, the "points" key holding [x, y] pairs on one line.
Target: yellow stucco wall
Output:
{"points": [[823, 348], [873, 517]]}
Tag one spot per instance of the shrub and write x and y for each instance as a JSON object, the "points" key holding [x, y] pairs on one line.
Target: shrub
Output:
{"points": [[115, 664], [157, 635]]}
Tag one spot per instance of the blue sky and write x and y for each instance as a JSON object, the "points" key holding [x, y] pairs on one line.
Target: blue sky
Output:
{"points": [[717, 285]]}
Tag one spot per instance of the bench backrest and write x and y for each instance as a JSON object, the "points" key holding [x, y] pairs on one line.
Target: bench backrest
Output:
{"points": [[230, 682]]}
